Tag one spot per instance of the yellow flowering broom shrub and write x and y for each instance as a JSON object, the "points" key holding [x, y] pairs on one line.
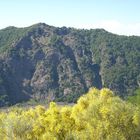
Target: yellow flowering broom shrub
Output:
{"points": [[98, 115]]}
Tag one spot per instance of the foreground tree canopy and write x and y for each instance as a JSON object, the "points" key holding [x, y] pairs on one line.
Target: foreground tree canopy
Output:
{"points": [[98, 115]]}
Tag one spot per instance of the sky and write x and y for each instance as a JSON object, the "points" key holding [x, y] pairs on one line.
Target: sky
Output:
{"points": [[116, 16]]}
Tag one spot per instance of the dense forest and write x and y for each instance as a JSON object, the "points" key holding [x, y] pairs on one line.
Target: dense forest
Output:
{"points": [[43, 62], [97, 115]]}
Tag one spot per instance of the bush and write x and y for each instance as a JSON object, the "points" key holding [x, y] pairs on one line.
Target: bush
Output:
{"points": [[98, 115]]}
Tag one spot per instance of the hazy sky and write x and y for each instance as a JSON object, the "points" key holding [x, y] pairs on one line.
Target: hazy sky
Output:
{"points": [[117, 16]]}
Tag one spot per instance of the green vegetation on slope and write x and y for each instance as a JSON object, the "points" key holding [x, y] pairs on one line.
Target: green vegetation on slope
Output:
{"points": [[135, 99], [45, 62], [10, 36], [118, 57]]}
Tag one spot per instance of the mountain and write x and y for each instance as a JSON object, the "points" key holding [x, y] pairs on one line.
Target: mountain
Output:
{"points": [[43, 62]]}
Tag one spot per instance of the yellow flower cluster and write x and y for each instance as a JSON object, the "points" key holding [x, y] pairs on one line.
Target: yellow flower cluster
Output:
{"points": [[98, 115]]}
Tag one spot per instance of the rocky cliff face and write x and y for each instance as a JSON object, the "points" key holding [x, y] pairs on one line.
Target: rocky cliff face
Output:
{"points": [[45, 62]]}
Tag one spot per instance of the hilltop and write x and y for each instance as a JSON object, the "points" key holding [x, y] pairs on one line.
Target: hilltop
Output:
{"points": [[43, 62]]}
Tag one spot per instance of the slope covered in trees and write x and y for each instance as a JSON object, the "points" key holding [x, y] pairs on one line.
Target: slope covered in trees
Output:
{"points": [[45, 62], [98, 115]]}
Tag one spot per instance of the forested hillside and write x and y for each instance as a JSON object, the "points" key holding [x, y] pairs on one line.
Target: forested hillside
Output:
{"points": [[45, 62]]}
